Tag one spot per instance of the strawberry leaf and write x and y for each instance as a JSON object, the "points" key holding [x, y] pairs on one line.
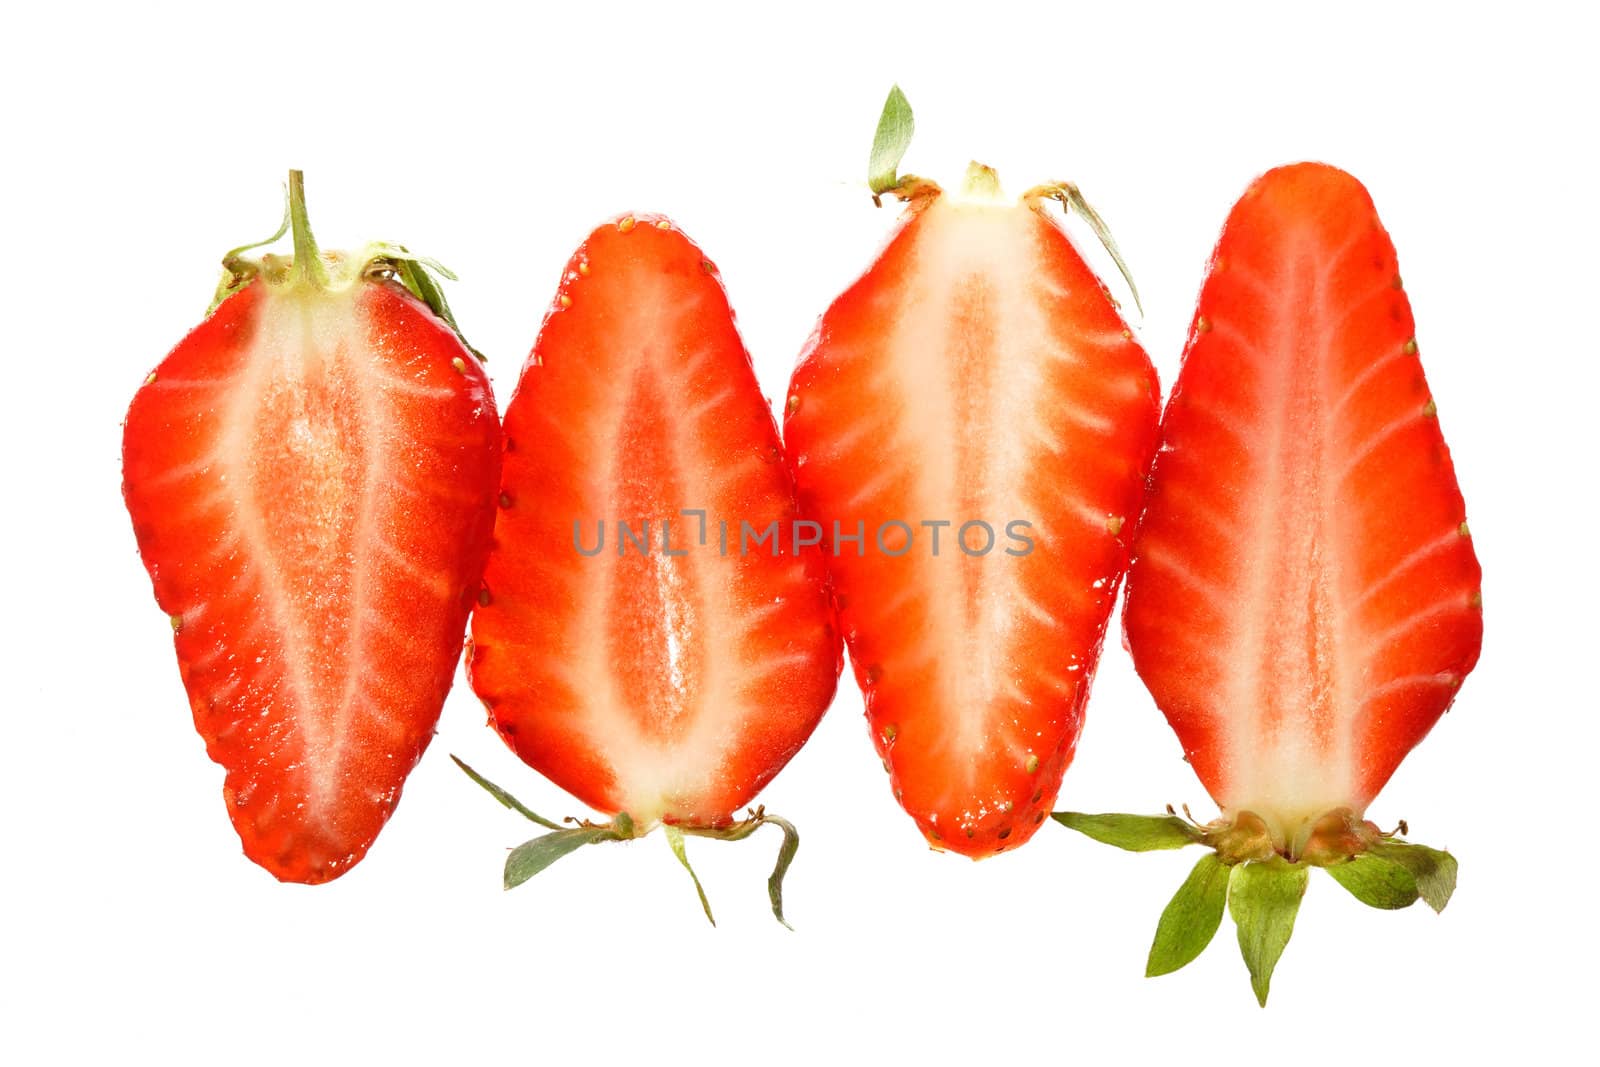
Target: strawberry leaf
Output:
{"points": [[786, 852], [1073, 199], [1191, 919], [236, 272], [1263, 898], [1136, 833], [1376, 881], [743, 829], [505, 798], [889, 144], [418, 275], [1433, 869], [531, 857], [231, 257], [675, 840]]}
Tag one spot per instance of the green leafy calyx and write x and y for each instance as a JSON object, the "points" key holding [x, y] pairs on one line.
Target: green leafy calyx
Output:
{"points": [[895, 127], [314, 270], [1259, 879], [1264, 898], [531, 857], [1072, 200]]}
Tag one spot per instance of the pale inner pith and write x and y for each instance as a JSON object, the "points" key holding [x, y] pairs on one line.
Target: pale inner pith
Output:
{"points": [[972, 350], [308, 447], [659, 648]]}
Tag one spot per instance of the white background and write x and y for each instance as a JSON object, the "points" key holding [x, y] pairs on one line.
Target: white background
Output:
{"points": [[140, 147]]}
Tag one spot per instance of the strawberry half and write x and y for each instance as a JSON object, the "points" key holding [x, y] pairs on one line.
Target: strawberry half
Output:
{"points": [[975, 411], [631, 644], [1303, 601], [311, 477]]}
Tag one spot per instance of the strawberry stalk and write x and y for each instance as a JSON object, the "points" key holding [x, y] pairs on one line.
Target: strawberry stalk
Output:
{"points": [[533, 856], [308, 266], [378, 261], [1260, 883]]}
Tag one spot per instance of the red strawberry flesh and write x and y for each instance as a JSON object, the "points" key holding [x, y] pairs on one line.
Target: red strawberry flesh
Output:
{"points": [[669, 687], [311, 475], [978, 372], [1303, 601]]}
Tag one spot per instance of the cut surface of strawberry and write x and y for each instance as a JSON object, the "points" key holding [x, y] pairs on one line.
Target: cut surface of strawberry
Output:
{"points": [[1304, 597], [1303, 600], [975, 408], [311, 477], [632, 645]]}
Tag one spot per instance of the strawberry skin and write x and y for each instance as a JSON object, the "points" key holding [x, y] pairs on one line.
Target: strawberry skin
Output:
{"points": [[1303, 601], [978, 372], [671, 687], [311, 477]]}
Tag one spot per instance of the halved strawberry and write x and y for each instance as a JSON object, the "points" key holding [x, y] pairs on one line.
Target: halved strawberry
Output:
{"points": [[311, 477], [667, 675], [1303, 601], [975, 407]]}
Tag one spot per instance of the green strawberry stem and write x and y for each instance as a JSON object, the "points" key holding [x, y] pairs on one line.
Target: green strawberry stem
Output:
{"points": [[308, 265], [1261, 885], [981, 181], [531, 857], [380, 261]]}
